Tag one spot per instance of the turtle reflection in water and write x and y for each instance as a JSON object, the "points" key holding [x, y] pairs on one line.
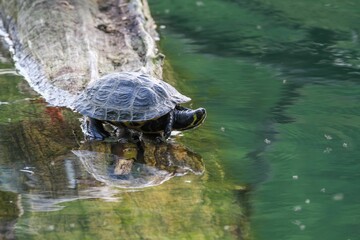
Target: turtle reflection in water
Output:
{"points": [[145, 164], [135, 101]]}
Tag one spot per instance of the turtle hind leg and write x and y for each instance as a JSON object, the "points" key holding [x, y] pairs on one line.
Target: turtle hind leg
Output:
{"points": [[125, 133], [94, 129]]}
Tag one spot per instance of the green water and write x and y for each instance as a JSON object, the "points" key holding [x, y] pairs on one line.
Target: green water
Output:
{"points": [[280, 81]]}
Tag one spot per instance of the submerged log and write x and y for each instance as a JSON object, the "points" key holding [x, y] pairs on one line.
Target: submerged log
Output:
{"points": [[145, 164], [62, 45]]}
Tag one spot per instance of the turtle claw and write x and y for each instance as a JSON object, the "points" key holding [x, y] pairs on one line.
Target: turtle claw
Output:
{"points": [[94, 130], [136, 137], [93, 135]]}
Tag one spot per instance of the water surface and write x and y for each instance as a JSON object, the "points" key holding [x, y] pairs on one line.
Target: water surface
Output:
{"points": [[281, 82], [279, 148]]}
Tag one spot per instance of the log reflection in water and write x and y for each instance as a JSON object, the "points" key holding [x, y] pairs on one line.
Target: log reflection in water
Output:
{"points": [[130, 165], [38, 165], [38, 150]]}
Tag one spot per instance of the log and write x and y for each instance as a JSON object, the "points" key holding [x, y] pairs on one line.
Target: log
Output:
{"points": [[60, 46]]}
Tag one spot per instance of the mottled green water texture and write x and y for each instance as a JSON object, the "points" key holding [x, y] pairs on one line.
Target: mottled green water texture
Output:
{"points": [[280, 146]]}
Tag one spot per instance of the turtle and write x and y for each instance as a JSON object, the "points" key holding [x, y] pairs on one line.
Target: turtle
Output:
{"points": [[135, 101]]}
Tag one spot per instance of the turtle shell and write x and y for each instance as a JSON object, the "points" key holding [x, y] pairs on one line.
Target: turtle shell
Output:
{"points": [[128, 96]]}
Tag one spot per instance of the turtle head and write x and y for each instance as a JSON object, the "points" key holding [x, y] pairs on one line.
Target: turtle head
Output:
{"points": [[186, 118]]}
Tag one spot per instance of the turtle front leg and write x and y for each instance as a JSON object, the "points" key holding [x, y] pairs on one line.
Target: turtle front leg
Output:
{"points": [[169, 125], [94, 129], [168, 128]]}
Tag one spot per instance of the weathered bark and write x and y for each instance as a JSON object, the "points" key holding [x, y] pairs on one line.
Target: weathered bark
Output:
{"points": [[62, 45]]}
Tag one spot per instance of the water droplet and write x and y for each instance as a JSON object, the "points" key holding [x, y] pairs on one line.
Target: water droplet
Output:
{"points": [[302, 227], [295, 177], [297, 208], [284, 81], [307, 201], [327, 150], [162, 26], [323, 190], [328, 137], [51, 228], [345, 145], [222, 129], [267, 141], [297, 222], [230, 228], [199, 3], [338, 197]]}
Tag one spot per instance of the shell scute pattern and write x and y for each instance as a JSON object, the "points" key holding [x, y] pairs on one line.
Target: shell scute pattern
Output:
{"points": [[161, 91], [91, 92], [101, 97], [139, 115], [120, 98], [125, 115], [128, 96], [145, 98], [112, 114], [87, 108], [99, 113], [126, 84]]}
